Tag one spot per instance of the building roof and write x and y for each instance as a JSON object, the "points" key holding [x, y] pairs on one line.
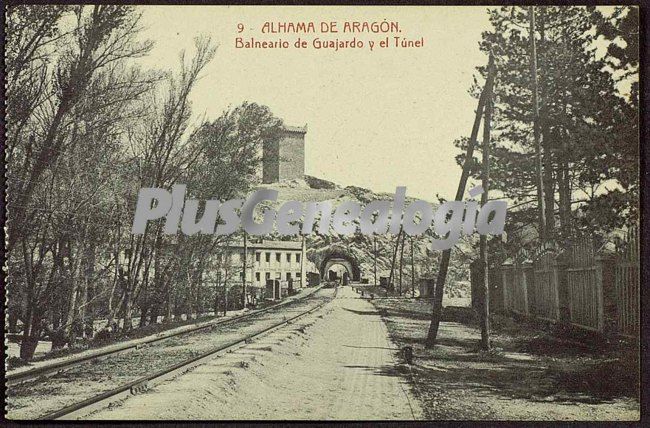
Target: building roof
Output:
{"points": [[268, 245], [297, 129]]}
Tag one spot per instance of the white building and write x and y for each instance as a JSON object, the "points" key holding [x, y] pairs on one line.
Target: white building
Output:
{"points": [[272, 267]]}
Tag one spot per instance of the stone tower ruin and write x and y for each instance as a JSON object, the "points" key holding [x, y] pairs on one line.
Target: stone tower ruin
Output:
{"points": [[284, 159]]}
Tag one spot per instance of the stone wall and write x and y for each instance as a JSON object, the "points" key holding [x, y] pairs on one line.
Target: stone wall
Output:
{"points": [[292, 155], [270, 162], [285, 159]]}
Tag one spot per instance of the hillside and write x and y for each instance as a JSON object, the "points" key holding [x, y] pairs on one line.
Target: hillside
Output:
{"points": [[361, 247]]}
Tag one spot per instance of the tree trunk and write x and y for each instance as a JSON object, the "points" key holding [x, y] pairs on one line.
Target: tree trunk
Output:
{"points": [[436, 311], [217, 290], [145, 306], [549, 189], [31, 335], [69, 332], [485, 304], [539, 168], [547, 143], [128, 311], [169, 304], [191, 307], [565, 186], [154, 312], [144, 313], [112, 311], [87, 293]]}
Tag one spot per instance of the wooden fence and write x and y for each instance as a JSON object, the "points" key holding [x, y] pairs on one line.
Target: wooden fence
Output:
{"points": [[573, 285], [516, 277], [627, 280], [495, 284], [545, 287], [585, 286]]}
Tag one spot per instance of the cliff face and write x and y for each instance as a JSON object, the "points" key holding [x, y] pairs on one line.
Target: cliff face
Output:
{"points": [[360, 248]]}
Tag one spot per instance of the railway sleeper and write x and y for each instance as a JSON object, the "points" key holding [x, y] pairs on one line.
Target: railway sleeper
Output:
{"points": [[139, 388]]}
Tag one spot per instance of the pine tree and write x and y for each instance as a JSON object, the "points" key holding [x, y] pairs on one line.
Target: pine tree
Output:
{"points": [[587, 126]]}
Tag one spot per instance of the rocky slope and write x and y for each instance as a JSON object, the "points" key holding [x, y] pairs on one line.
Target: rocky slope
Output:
{"points": [[361, 246]]}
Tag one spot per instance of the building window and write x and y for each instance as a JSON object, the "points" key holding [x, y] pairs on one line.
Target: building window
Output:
{"points": [[268, 275], [257, 256], [288, 257], [288, 276], [298, 275], [268, 257], [297, 258], [277, 257], [257, 276]]}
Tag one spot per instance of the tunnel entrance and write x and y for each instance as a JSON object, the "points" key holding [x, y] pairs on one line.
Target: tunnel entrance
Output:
{"points": [[339, 272], [348, 262]]}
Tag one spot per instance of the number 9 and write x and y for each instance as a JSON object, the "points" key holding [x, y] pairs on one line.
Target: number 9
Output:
{"points": [[240, 28]]}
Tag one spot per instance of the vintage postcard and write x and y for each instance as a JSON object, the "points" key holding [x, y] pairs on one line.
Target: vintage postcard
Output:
{"points": [[356, 213]]}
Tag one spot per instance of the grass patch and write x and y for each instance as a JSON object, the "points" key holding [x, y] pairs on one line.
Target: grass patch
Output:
{"points": [[529, 361]]}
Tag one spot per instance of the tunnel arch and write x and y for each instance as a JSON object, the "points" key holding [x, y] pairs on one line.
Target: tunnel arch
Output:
{"points": [[340, 258], [339, 262]]}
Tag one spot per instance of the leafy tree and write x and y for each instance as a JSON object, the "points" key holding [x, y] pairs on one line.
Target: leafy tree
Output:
{"points": [[67, 75], [588, 156]]}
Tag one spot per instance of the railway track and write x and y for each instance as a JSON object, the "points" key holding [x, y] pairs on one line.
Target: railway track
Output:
{"points": [[89, 385], [13, 379]]}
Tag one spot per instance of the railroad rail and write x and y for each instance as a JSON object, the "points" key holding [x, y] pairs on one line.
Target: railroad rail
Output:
{"points": [[16, 378], [104, 399]]}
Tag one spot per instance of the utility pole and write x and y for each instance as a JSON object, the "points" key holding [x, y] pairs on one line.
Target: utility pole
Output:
{"points": [[401, 264], [225, 291], [303, 256], [538, 150], [374, 246], [436, 312], [412, 269], [391, 277], [485, 307], [243, 276]]}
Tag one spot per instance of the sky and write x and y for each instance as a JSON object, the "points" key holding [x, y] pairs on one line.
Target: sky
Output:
{"points": [[376, 119]]}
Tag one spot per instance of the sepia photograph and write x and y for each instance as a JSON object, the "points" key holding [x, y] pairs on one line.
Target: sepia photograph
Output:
{"points": [[322, 213]]}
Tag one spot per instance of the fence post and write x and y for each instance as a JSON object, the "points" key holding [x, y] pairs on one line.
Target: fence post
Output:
{"points": [[505, 269], [523, 267], [599, 265], [528, 275], [562, 289]]}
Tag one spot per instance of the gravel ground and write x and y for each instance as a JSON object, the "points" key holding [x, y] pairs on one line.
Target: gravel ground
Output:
{"points": [[31, 400], [529, 375], [337, 364]]}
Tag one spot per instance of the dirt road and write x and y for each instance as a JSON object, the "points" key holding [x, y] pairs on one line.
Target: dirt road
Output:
{"points": [[337, 364]]}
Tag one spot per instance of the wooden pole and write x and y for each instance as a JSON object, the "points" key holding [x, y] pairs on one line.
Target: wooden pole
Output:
{"points": [[485, 307], [243, 278], [412, 269], [436, 312], [225, 291], [401, 265], [374, 245], [391, 276], [538, 150], [303, 256]]}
